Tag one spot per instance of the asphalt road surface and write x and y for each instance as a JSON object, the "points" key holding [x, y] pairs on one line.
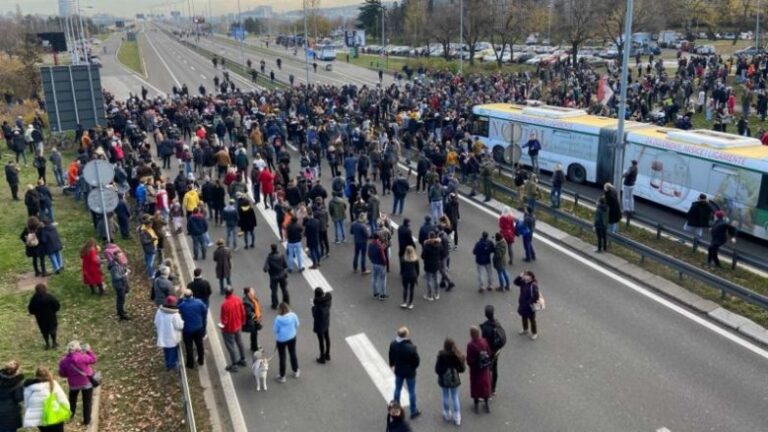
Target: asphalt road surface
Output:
{"points": [[609, 357]]}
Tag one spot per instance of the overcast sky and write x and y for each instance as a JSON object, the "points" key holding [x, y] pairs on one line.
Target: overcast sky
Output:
{"points": [[129, 8]]}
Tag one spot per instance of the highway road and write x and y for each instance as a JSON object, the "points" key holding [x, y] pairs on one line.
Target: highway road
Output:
{"points": [[610, 356]]}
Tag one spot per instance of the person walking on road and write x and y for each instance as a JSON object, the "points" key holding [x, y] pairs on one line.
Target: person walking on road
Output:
{"points": [[197, 227], [285, 328], [247, 221], [404, 360], [628, 187], [36, 393], [11, 397], [231, 320], [361, 232], [77, 367], [201, 288], [377, 254], [45, 307], [321, 321], [409, 272], [448, 367], [529, 294], [493, 333], [719, 234], [169, 325], [231, 218], [222, 256], [252, 317], [276, 266], [483, 250], [194, 313], [479, 360]]}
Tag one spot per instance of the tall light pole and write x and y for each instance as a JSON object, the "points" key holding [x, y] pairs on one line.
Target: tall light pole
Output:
{"points": [[618, 167], [461, 36], [757, 27], [241, 34], [306, 43]]}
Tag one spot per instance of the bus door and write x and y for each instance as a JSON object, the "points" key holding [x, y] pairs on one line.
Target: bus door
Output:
{"points": [[605, 155]]}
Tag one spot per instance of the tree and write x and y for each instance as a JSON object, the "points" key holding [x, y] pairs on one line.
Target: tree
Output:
{"points": [[413, 21], [509, 22], [477, 17], [370, 16], [614, 18], [444, 22], [577, 22]]}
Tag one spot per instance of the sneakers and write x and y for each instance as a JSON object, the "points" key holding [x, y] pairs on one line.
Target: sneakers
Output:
{"points": [[534, 336], [437, 296], [410, 306], [415, 414], [297, 373], [232, 368], [429, 298], [523, 332], [365, 272], [403, 305], [281, 379], [383, 297]]}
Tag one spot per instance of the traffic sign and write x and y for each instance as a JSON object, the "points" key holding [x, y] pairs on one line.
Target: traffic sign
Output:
{"points": [[98, 173], [109, 201]]}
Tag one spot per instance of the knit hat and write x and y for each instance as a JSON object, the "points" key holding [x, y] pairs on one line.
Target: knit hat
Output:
{"points": [[719, 214], [170, 300]]}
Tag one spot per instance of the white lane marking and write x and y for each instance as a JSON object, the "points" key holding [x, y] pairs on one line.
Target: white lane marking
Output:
{"points": [[168, 68], [160, 92], [203, 76], [637, 288], [192, 67], [233, 403], [663, 429], [376, 367]]}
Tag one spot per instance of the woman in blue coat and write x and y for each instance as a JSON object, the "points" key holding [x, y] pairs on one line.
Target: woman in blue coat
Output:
{"points": [[529, 294], [50, 244]]}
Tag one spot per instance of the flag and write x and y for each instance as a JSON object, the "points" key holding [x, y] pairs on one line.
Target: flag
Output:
{"points": [[604, 91]]}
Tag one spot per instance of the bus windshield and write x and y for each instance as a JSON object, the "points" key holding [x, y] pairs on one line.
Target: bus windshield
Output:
{"points": [[479, 126]]}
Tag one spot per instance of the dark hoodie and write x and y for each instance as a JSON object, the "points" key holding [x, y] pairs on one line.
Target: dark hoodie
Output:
{"points": [[321, 313], [11, 398]]}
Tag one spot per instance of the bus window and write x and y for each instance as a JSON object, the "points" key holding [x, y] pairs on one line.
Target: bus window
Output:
{"points": [[479, 126], [762, 200]]}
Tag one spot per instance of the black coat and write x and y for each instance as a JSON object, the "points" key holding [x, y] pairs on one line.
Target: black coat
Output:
{"points": [[529, 294], [49, 240], [409, 270], [447, 360], [247, 218], [404, 238], [201, 288], [614, 206], [699, 214], [32, 201], [312, 232], [431, 255], [11, 398], [321, 313], [404, 357], [32, 251], [44, 307]]}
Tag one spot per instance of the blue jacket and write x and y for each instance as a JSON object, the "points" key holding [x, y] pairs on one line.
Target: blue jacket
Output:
{"points": [[194, 313], [360, 231], [229, 216], [350, 166], [197, 225], [376, 253], [285, 327], [141, 193], [483, 250]]}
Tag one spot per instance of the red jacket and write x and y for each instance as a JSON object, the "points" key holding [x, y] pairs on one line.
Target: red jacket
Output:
{"points": [[507, 228], [267, 181], [232, 314]]}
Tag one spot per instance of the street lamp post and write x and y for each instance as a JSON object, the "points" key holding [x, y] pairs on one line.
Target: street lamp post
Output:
{"points": [[757, 27], [461, 36], [241, 32], [306, 43], [620, 141]]}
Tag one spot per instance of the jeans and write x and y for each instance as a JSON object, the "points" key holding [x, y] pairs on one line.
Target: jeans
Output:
{"points": [[149, 264], [359, 252], [451, 404], [379, 280], [59, 175], [437, 209], [314, 255], [56, 261], [47, 212], [535, 163], [614, 227], [171, 357], [531, 202], [431, 283], [195, 337], [411, 382], [530, 253], [247, 234], [554, 196], [231, 241], [232, 340], [628, 198], [199, 246], [399, 202], [291, 345], [484, 268], [324, 343], [503, 278], [283, 283], [295, 256], [120, 288], [223, 285], [87, 403], [338, 226]]}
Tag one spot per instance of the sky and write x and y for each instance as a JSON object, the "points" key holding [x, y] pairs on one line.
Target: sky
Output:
{"points": [[130, 8]]}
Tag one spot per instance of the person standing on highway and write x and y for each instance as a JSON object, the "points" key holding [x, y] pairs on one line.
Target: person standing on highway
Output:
{"points": [[231, 218], [276, 266], [197, 227], [222, 256], [431, 254], [247, 220], [507, 229], [377, 254], [404, 237], [337, 210], [194, 313], [529, 294], [361, 232], [451, 209], [718, 235], [294, 233], [201, 288], [601, 225], [169, 325], [252, 323], [534, 146], [285, 328], [321, 321], [479, 360], [558, 179], [312, 236], [409, 272], [526, 228], [435, 194], [404, 360], [628, 187], [449, 364], [493, 333], [614, 207], [699, 216], [499, 262], [231, 320], [483, 250]]}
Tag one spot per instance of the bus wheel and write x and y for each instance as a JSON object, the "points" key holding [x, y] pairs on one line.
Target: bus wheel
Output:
{"points": [[498, 154], [577, 174]]}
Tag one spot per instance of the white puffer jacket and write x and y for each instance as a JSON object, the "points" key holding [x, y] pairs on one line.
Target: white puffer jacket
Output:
{"points": [[34, 397]]}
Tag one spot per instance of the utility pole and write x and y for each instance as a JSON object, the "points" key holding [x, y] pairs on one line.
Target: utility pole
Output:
{"points": [[461, 36], [757, 27], [241, 33], [618, 164], [306, 43]]}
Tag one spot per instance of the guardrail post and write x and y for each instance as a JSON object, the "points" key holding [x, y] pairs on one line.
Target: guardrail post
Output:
{"points": [[658, 231], [629, 218], [695, 243], [734, 259], [575, 203]]}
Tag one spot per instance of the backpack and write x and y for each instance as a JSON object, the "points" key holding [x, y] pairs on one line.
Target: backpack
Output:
{"points": [[450, 378], [499, 338], [31, 240], [521, 229], [484, 360]]}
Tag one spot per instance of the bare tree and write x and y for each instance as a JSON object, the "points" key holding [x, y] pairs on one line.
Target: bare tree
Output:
{"points": [[477, 18], [415, 11], [577, 22], [614, 17], [508, 24], [444, 25]]}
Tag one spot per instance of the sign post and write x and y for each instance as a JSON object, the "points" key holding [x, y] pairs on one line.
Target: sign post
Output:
{"points": [[99, 173]]}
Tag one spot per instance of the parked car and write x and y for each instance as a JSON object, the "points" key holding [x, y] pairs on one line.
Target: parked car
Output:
{"points": [[705, 50]]}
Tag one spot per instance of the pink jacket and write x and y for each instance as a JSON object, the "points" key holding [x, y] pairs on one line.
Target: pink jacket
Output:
{"points": [[74, 361]]}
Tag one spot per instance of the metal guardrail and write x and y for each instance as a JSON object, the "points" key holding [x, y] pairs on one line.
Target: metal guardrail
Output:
{"points": [[186, 397], [733, 252], [681, 267]]}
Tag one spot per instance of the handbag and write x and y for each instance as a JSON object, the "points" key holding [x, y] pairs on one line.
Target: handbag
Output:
{"points": [[95, 379], [53, 411], [540, 304]]}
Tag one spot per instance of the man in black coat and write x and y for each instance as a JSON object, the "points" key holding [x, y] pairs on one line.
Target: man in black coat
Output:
{"points": [[425, 229], [404, 237], [201, 288], [12, 177], [276, 266], [44, 307], [494, 334], [699, 216], [321, 317], [719, 234], [404, 360], [123, 213], [400, 189]]}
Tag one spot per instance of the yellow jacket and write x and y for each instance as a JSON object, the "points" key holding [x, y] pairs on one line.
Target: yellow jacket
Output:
{"points": [[191, 200]]}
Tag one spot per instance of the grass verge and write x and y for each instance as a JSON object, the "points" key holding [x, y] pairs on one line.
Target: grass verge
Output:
{"points": [[669, 247], [137, 393], [395, 64], [129, 55]]}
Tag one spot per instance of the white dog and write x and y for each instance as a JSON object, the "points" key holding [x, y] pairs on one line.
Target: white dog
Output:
{"points": [[260, 368]]}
